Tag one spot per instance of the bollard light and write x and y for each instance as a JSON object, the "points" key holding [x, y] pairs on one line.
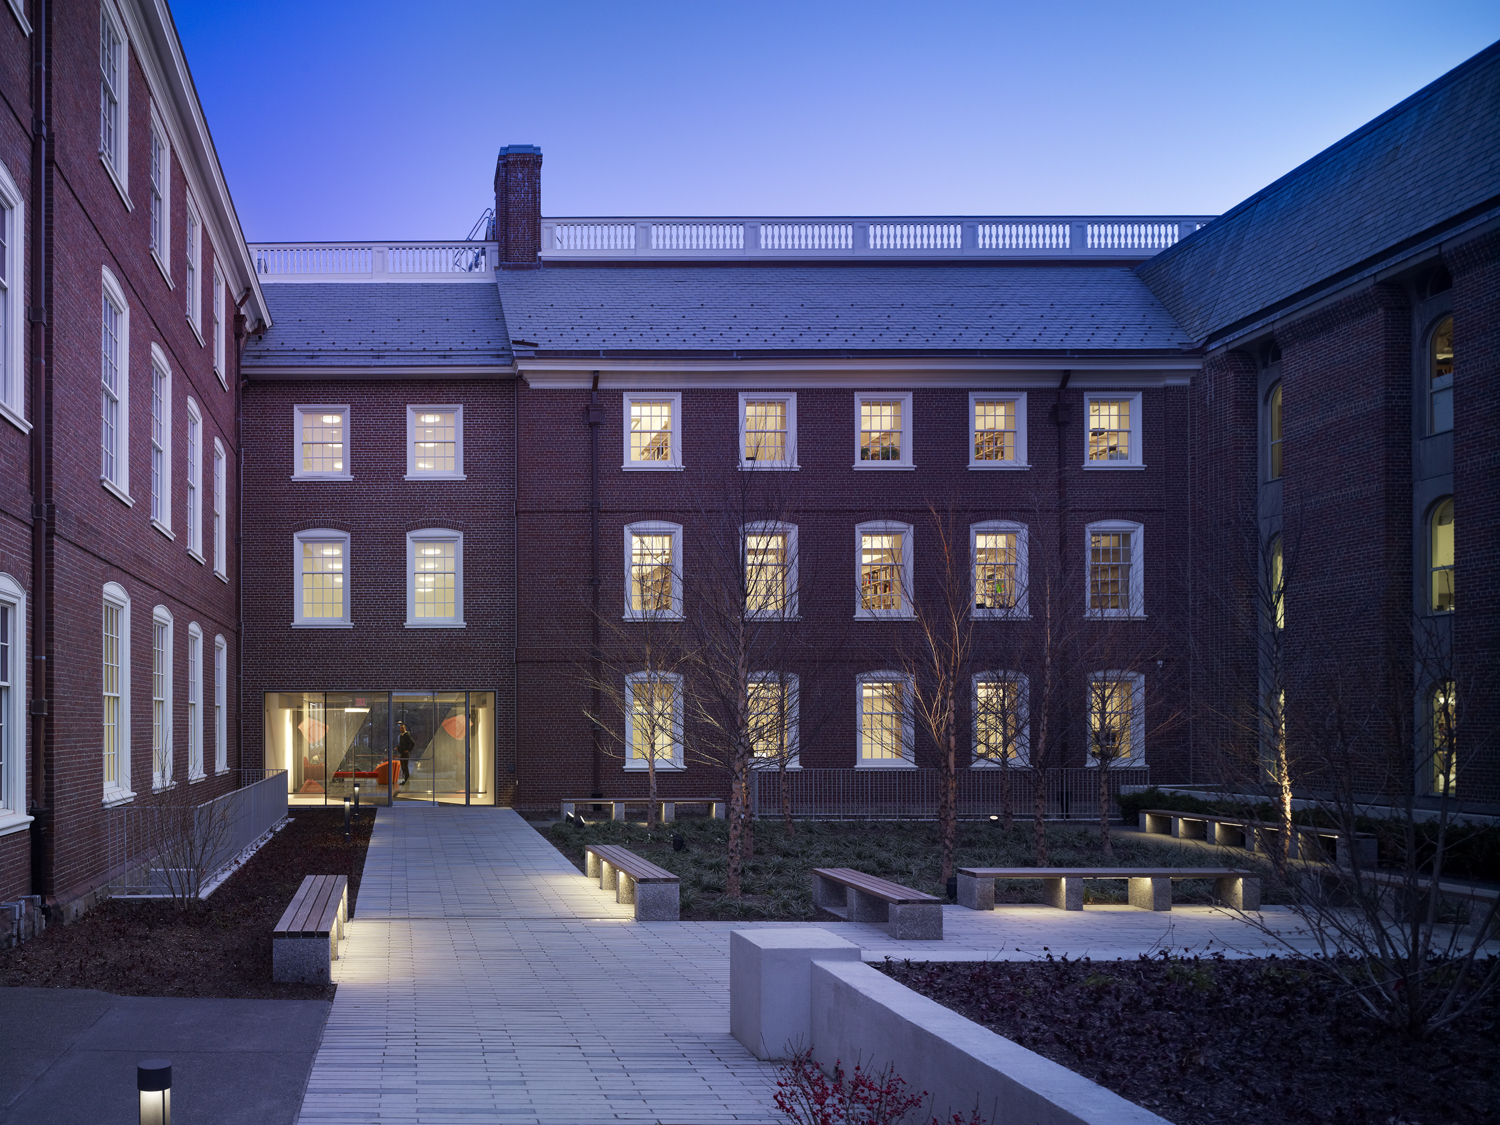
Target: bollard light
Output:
{"points": [[994, 816], [356, 796], [153, 1081], [347, 834]]}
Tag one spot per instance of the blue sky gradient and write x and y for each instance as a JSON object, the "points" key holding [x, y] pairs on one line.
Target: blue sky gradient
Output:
{"points": [[382, 120]]}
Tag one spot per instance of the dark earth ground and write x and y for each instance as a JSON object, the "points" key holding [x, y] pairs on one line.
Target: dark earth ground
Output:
{"points": [[222, 948], [1204, 1042]]}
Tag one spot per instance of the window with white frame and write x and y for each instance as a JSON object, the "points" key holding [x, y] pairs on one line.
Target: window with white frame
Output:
{"points": [[321, 563], [322, 442], [114, 380], [1117, 718], [221, 685], [1114, 431], [882, 438], [653, 430], [884, 550], [1002, 719], [115, 684], [1441, 540], [194, 483], [997, 423], [192, 273], [886, 734], [770, 569], [161, 442], [195, 702], [12, 704], [1274, 443], [772, 707], [218, 327], [114, 88], [1115, 584], [653, 720], [435, 442], [998, 549], [12, 303], [1440, 379], [435, 579], [161, 697], [653, 570], [160, 168], [768, 431], [1442, 720], [221, 561]]}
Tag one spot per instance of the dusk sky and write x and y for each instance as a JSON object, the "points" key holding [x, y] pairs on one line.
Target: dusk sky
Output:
{"points": [[382, 120]]}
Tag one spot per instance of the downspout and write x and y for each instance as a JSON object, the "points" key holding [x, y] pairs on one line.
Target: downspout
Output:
{"points": [[239, 536], [41, 419], [594, 414], [1062, 415]]}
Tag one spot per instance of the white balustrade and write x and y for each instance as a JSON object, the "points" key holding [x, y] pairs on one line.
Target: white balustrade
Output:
{"points": [[916, 236], [1132, 235], [806, 236], [274, 261], [1023, 235], [698, 236], [593, 236], [368, 261]]}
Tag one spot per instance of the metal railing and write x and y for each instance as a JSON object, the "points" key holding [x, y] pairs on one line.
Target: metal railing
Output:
{"points": [[912, 794], [165, 850], [375, 261]]}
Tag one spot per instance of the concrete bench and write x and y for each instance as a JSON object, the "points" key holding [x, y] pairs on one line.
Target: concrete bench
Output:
{"points": [[1308, 841], [653, 890], [305, 943], [716, 805], [857, 897], [1150, 887]]}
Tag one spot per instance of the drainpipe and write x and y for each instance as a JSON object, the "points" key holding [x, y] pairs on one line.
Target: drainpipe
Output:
{"points": [[1062, 414], [593, 414], [239, 536], [41, 418]]}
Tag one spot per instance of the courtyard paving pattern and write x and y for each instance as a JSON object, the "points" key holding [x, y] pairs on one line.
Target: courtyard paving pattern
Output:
{"points": [[485, 979]]}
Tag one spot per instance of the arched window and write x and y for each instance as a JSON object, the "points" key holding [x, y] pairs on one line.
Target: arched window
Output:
{"points": [[1443, 716], [1440, 379], [1273, 419], [1276, 582], [1441, 551]]}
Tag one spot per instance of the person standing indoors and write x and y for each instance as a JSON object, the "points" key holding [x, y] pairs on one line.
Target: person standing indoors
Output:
{"points": [[404, 746]]}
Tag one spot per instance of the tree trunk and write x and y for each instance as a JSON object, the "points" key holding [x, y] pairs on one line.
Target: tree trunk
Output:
{"points": [[1039, 814], [651, 789], [1109, 849], [948, 804], [1284, 799], [786, 798], [1005, 813]]}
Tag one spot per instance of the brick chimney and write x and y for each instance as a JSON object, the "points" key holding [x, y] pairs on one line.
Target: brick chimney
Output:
{"points": [[518, 206]]}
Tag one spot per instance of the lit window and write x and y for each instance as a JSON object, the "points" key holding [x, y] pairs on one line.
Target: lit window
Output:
{"points": [[161, 442], [768, 431], [114, 378], [653, 574], [1273, 411], [885, 720], [1002, 726], [112, 95], [435, 442], [192, 271], [161, 697], [1442, 557], [1114, 432], [435, 569], [885, 578], [12, 307], [221, 683], [772, 706], [883, 437], [652, 438], [653, 720], [161, 186], [770, 570], [322, 442], [321, 565], [1443, 719], [1440, 379], [1116, 717], [221, 547], [195, 702], [12, 701], [115, 682], [1278, 584], [999, 552], [1114, 570], [219, 343], [194, 481], [998, 425]]}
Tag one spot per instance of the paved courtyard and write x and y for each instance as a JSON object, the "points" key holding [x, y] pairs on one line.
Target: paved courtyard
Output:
{"points": [[485, 979]]}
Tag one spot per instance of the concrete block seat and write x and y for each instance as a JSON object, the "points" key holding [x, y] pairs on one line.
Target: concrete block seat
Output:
{"points": [[857, 897], [1150, 887], [305, 943], [1308, 841], [653, 890], [716, 805]]}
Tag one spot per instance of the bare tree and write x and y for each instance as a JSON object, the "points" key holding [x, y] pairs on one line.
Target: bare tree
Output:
{"points": [[183, 846]]}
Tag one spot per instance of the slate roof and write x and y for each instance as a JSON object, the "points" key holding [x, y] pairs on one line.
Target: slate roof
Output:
{"points": [[1426, 165], [866, 309], [381, 324]]}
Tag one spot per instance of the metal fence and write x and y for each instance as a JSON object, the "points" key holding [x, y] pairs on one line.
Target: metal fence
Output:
{"points": [[175, 850], [912, 794]]}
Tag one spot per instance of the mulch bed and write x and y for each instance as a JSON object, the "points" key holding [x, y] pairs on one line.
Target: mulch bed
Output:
{"points": [[1254, 1042], [221, 948]]}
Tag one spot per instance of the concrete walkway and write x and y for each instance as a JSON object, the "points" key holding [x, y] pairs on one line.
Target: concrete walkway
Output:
{"points": [[485, 979]]}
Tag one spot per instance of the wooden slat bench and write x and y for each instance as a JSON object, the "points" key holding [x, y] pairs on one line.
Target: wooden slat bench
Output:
{"points": [[1150, 887], [305, 943], [857, 897], [1308, 841], [716, 805], [653, 890]]}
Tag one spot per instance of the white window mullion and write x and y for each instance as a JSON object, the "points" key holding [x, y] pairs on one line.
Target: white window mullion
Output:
{"points": [[115, 685], [221, 564], [195, 702], [221, 681], [194, 482]]}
